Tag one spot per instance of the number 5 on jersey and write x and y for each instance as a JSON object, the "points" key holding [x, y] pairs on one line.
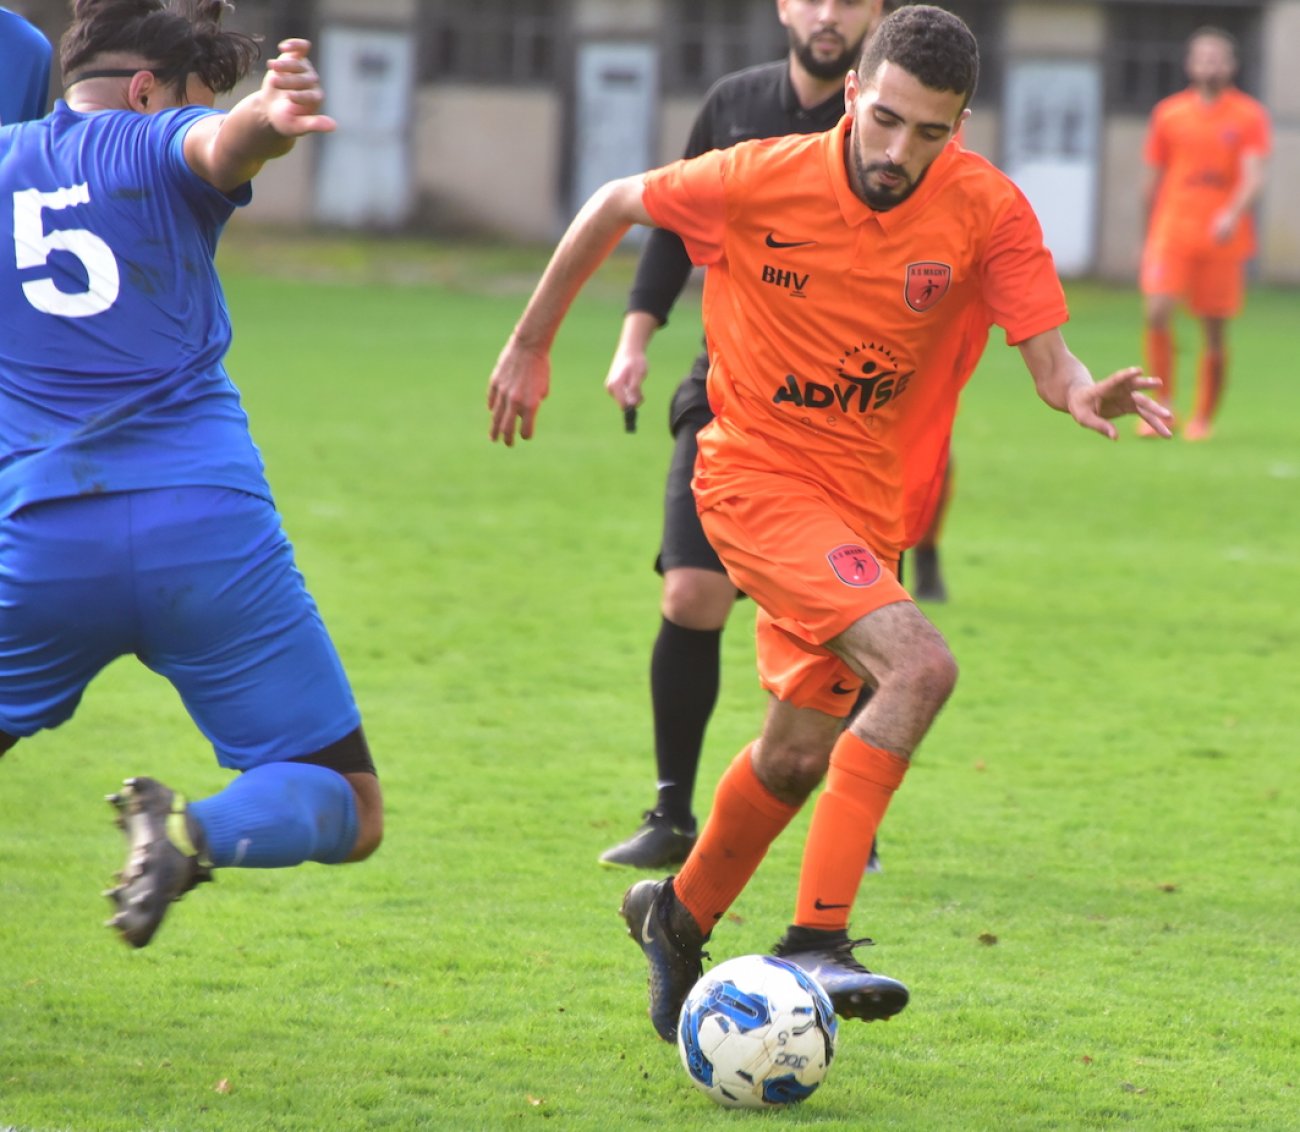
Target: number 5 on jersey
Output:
{"points": [[33, 246]]}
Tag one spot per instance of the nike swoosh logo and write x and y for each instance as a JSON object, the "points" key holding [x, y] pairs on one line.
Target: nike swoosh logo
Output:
{"points": [[773, 242], [823, 907], [645, 927], [842, 691]]}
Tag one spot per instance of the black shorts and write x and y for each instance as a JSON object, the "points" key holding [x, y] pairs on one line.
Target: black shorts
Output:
{"points": [[684, 543]]}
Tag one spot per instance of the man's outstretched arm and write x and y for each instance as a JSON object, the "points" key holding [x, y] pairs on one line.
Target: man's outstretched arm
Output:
{"points": [[228, 150], [521, 377], [1064, 383]]}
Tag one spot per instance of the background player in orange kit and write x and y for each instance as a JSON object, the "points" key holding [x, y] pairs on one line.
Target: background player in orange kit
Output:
{"points": [[846, 270], [1205, 153], [800, 94]]}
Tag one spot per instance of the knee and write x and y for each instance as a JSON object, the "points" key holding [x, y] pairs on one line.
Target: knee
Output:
{"points": [[370, 836], [791, 771], [370, 815], [930, 675], [937, 674], [697, 599]]}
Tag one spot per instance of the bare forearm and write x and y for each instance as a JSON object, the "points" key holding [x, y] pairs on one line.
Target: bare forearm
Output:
{"points": [[1057, 373], [227, 150], [594, 233], [638, 329], [243, 141], [1248, 190], [1066, 375]]}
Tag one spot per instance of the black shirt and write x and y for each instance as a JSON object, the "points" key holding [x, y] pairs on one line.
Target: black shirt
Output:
{"points": [[758, 102]]}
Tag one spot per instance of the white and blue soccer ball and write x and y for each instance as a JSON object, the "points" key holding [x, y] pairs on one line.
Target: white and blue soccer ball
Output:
{"points": [[757, 1032]]}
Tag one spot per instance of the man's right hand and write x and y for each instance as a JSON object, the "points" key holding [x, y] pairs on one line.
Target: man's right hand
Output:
{"points": [[629, 367], [521, 379]]}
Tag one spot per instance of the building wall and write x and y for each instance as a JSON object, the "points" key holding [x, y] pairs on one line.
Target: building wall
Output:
{"points": [[488, 160], [1279, 213], [495, 159]]}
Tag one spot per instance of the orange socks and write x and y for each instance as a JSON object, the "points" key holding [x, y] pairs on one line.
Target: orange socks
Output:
{"points": [[1210, 386], [859, 786], [1160, 362], [746, 818]]}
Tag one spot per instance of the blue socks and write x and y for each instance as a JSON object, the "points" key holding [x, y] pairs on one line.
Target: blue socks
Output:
{"points": [[277, 815]]}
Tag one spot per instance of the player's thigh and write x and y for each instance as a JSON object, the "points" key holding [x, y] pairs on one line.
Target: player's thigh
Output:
{"points": [[228, 620], [65, 606]]}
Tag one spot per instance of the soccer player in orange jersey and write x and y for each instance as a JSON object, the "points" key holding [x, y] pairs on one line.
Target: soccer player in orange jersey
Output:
{"points": [[800, 94], [1205, 153], [852, 279]]}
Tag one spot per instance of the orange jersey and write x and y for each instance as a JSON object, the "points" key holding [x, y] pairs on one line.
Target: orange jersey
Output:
{"points": [[1198, 148], [841, 337]]}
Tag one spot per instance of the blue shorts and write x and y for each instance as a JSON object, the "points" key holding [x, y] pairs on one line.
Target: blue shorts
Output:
{"points": [[200, 584]]}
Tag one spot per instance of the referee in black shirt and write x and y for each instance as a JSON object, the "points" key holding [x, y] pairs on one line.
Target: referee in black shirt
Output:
{"points": [[801, 94]]}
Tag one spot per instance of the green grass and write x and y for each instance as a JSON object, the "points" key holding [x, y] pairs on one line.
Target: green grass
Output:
{"points": [[1091, 873]]}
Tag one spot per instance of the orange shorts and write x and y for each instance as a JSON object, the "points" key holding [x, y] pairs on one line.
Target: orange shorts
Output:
{"points": [[1211, 281], [811, 576]]}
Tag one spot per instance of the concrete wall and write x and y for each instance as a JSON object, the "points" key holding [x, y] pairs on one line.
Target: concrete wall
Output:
{"points": [[492, 159], [1279, 212], [1120, 231], [488, 159]]}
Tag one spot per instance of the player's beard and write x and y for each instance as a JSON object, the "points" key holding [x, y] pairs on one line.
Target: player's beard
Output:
{"points": [[881, 199], [835, 67]]}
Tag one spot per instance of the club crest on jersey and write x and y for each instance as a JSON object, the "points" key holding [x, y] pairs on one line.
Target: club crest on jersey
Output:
{"points": [[854, 565], [926, 284]]}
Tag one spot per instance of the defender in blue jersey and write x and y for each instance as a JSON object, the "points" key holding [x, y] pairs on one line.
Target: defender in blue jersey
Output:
{"points": [[135, 516], [25, 69]]}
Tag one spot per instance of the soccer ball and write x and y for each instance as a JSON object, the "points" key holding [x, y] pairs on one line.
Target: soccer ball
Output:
{"points": [[757, 1032]]}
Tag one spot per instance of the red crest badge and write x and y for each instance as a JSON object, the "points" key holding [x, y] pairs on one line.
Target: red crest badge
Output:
{"points": [[927, 283], [854, 565]]}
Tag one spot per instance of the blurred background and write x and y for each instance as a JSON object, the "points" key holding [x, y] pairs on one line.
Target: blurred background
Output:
{"points": [[497, 118]]}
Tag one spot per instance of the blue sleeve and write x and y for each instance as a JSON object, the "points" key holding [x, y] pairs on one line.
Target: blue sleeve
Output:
{"points": [[25, 56], [207, 202]]}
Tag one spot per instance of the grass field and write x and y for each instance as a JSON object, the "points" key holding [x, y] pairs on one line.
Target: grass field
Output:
{"points": [[1090, 877]]}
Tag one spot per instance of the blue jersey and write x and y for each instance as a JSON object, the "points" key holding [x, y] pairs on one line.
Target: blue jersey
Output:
{"points": [[25, 67], [113, 325]]}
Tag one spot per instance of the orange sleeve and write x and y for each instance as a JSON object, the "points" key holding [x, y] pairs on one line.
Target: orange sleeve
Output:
{"points": [[1019, 282], [687, 197]]}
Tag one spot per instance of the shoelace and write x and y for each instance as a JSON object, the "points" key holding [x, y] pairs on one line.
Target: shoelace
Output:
{"points": [[844, 953]]}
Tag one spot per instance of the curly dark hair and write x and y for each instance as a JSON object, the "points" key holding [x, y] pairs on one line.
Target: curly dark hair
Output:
{"points": [[178, 37], [929, 43]]}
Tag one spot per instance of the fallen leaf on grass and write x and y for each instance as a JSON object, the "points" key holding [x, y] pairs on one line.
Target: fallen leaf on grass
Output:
{"points": [[222, 1086], [988, 939]]}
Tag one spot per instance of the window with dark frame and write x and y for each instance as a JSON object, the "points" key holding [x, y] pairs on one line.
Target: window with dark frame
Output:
{"points": [[1146, 44], [503, 42], [706, 39]]}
